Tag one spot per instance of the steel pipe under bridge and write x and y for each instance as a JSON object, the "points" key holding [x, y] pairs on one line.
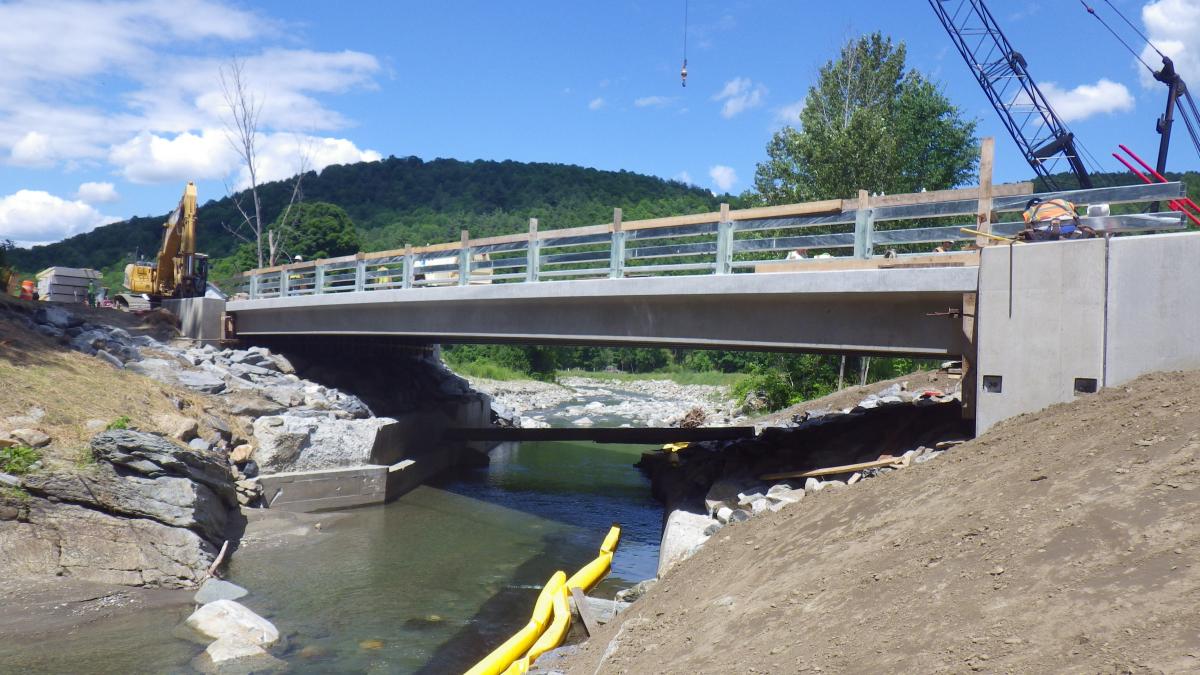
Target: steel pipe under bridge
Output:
{"points": [[869, 311]]}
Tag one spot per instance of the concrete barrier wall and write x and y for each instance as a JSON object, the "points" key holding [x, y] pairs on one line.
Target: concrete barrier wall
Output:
{"points": [[200, 318], [1153, 295], [1040, 325], [1082, 312]]}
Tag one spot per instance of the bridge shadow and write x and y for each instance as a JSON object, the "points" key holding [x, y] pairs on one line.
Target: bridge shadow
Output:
{"points": [[501, 616]]}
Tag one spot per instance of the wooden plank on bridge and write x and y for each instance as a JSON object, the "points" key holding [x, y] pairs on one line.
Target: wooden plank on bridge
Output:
{"points": [[631, 435]]}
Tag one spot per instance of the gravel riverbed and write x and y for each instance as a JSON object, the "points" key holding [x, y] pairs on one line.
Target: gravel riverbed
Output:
{"points": [[583, 401]]}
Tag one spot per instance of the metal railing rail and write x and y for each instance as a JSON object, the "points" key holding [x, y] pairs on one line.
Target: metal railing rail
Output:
{"points": [[723, 242]]}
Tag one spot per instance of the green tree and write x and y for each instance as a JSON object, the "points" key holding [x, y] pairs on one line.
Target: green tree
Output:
{"points": [[316, 230], [868, 124]]}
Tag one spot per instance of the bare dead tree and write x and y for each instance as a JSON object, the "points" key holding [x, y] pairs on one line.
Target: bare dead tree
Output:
{"points": [[276, 236], [241, 129]]}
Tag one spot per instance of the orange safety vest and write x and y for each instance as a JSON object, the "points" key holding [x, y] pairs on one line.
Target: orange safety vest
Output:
{"points": [[1049, 210], [27, 290]]}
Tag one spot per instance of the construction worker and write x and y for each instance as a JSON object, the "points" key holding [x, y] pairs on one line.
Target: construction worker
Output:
{"points": [[381, 276], [295, 277], [1052, 220], [91, 294], [27, 290]]}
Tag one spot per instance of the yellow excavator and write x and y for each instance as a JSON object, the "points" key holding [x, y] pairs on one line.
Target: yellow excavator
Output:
{"points": [[178, 272]]}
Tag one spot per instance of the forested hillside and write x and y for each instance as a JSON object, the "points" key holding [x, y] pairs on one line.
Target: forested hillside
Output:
{"points": [[405, 200]]}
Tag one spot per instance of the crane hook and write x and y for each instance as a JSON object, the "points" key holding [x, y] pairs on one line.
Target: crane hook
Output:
{"points": [[683, 73]]}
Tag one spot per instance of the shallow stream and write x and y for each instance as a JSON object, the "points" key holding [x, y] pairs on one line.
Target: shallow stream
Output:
{"points": [[428, 583]]}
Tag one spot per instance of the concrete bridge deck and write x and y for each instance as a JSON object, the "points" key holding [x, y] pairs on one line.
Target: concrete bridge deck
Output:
{"points": [[875, 311]]}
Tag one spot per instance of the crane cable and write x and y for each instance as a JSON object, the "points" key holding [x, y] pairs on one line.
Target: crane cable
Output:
{"points": [[1092, 11], [1134, 27], [683, 70]]}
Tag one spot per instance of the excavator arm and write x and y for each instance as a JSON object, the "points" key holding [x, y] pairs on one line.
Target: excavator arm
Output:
{"points": [[178, 271]]}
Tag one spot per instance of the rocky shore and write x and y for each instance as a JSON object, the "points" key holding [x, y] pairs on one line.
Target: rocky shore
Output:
{"points": [[584, 401], [127, 456]]}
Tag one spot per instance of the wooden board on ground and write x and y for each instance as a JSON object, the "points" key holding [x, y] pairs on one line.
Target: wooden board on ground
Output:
{"points": [[833, 470], [585, 613]]}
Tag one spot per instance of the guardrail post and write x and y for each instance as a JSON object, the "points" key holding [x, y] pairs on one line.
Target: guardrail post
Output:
{"points": [[864, 226], [724, 242], [464, 259], [360, 275], [616, 260], [283, 283], [409, 262], [319, 280], [531, 252], [253, 286]]}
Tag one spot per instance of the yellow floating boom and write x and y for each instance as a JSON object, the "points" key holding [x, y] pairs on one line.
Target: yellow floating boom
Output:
{"points": [[542, 634]]}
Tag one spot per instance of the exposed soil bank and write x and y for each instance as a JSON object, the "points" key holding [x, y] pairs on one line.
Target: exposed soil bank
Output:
{"points": [[1064, 541]]}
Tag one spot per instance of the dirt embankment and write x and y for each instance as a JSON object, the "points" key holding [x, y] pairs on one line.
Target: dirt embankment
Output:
{"points": [[1063, 541]]}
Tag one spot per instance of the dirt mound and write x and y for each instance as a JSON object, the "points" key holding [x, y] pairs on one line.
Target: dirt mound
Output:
{"points": [[1063, 541]]}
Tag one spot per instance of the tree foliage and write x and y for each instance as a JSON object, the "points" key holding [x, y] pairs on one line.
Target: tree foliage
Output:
{"points": [[317, 230], [868, 124]]}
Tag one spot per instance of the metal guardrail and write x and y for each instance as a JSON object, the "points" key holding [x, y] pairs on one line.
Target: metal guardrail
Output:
{"points": [[724, 242]]}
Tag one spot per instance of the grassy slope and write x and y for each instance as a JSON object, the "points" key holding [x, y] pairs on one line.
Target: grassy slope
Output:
{"points": [[73, 388]]}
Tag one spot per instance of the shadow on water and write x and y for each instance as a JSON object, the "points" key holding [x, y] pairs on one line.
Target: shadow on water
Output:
{"points": [[584, 486], [498, 618]]}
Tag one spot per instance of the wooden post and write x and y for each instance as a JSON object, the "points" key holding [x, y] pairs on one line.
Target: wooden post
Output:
{"points": [[616, 262], [983, 215], [585, 613], [970, 374], [531, 252], [464, 259]]}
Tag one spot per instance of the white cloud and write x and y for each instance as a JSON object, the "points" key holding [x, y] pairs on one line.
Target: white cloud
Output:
{"points": [[31, 217], [789, 115], [652, 101], [149, 158], [1174, 27], [684, 177], [279, 156], [155, 81], [1087, 100], [33, 149], [724, 177], [596, 103], [97, 193], [740, 94]]}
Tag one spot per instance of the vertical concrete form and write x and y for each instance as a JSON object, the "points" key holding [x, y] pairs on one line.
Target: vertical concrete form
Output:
{"points": [[1084, 315], [1040, 322], [200, 318], [1153, 296]]}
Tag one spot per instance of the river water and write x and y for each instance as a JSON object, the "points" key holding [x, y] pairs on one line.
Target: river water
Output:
{"points": [[428, 583]]}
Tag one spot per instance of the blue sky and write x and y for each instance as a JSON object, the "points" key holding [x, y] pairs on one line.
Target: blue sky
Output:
{"points": [[107, 108]]}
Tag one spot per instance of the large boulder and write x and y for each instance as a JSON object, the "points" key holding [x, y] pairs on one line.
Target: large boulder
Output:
{"points": [[683, 534], [231, 620], [228, 656], [154, 456], [60, 539], [170, 500], [296, 443]]}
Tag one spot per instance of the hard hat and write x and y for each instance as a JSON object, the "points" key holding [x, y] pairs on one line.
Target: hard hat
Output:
{"points": [[1032, 202], [298, 259]]}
